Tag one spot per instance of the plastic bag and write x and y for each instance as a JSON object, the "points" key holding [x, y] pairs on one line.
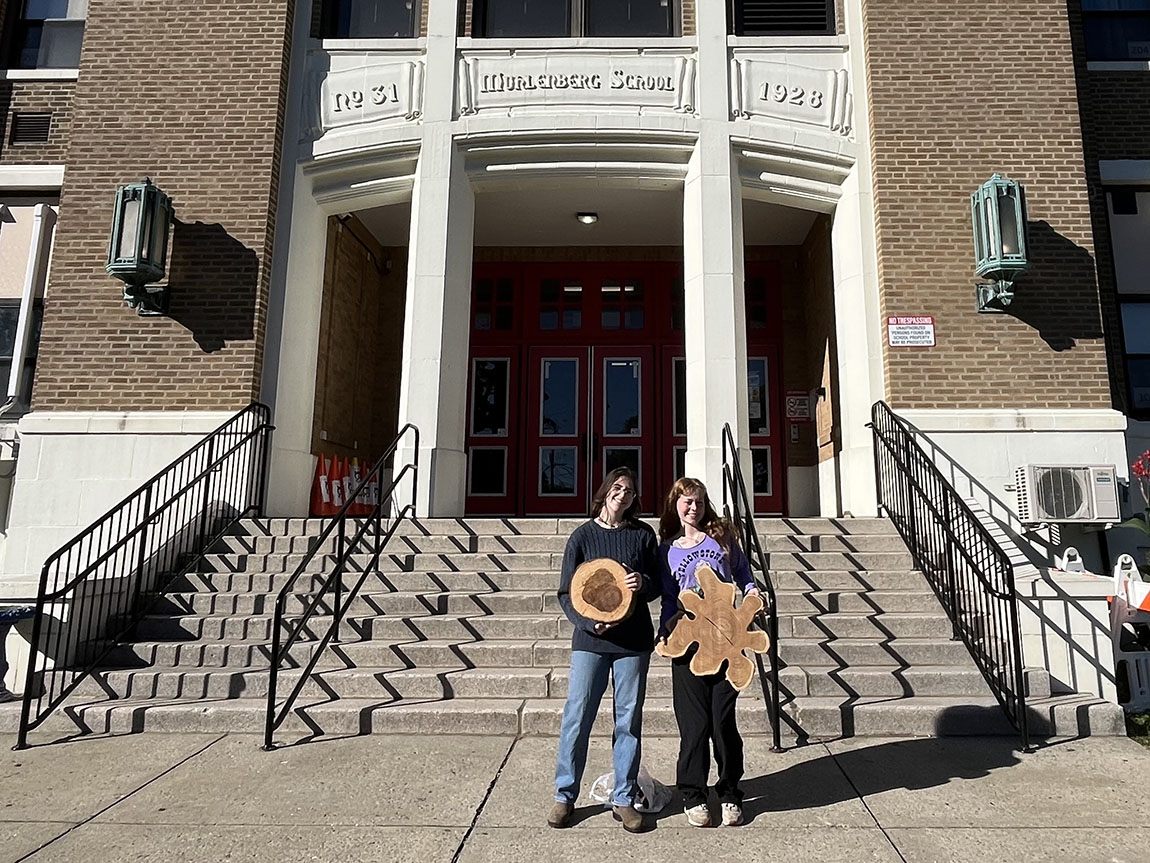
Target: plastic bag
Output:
{"points": [[653, 794]]}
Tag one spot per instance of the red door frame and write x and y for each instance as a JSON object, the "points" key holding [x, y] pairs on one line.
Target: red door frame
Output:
{"points": [[764, 327]]}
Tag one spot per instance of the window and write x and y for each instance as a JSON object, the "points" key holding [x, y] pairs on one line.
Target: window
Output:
{"points": [[781, 17], [47, 34], [9, 319], [1117, 29], [1129, 226], [369, 19], [562, 18]]}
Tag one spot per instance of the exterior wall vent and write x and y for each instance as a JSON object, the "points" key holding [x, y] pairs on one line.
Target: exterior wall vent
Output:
{"points": [[1056, 493], [772, 18], [31, 128]]}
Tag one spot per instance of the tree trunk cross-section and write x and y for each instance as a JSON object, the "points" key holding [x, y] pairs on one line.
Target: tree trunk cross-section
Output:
{"points": [[599, 591], [722, 631]]}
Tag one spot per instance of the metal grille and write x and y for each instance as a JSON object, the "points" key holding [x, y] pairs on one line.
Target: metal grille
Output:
{"points": [[781, 17], [31, 128]]}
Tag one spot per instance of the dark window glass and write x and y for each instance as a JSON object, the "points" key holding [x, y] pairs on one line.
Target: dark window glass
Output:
{"points": [[505, 291], [488, 472], [619, 456], [47, 34], [519, 18], [548, 319], [504, 318], [628, 18], [1124, 202], [680, 461], [610, 319], [369, 19], [549, 291], [9, 320], [483, 290], [761, 470], [679, 372], [489, 397], [572, 319], [557, 470], [560, 397], [757, 406], [621, 395], [1116, 29], [634, 319], [483, 320], [1138, 370]]}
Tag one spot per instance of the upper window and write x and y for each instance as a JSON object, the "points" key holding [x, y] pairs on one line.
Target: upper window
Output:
{"points": [[47, 34], [369, 19], [1129, 211], [561, 18], [1117, 29], [781, 17]]}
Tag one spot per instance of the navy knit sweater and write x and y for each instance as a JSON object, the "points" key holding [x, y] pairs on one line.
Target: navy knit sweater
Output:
{"points": [[635, 547]]}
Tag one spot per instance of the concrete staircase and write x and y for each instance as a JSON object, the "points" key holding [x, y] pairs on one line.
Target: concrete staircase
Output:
{"points": [[460, 632]]}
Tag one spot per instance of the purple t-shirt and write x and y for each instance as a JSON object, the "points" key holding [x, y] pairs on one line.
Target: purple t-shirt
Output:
{"points": [[678, 570]]}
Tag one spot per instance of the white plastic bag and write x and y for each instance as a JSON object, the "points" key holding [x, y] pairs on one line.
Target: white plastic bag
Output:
{"points": [[653, 794]]}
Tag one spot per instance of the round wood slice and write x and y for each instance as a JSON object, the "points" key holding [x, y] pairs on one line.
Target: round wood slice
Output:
{"points": [[599, 592]]}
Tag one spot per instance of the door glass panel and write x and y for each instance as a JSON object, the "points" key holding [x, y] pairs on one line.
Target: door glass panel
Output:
{"points": [[548, 319], [680, 462], [633, 319], [557, 470], [621, 397], [489, 397], [761, 480], [757, 403], [610, 319], [487, 471], [679, 374], [623, 456], [559, 412]]}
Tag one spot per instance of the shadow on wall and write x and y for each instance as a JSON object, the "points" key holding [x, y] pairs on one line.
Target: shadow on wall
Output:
{"points": [[1058, 295], [213, 279]]}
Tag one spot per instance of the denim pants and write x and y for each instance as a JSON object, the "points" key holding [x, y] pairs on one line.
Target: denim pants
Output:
{"points": [[585, 690]]}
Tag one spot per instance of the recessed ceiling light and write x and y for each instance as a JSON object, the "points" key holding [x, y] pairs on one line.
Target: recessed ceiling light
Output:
{"points": [[587, 218]]}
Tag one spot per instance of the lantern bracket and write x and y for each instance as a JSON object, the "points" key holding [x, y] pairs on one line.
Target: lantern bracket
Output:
{"points": [[993, 298]]}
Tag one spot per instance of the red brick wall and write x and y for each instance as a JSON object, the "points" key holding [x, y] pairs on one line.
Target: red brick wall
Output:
{"points": [[956, 93], [191, 95]]}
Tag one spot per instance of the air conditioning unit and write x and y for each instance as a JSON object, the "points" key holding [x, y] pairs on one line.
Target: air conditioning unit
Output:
{"points": [[1082, 493]]}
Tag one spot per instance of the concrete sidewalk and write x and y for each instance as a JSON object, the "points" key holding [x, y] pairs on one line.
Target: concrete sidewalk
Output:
{"points": [[176, 797]]}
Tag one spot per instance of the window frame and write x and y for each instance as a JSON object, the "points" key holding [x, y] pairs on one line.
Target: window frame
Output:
{"points": [[1126, 298], [576, 23], [15, 30], [328, 19], [1090, 16], [24, 399]]}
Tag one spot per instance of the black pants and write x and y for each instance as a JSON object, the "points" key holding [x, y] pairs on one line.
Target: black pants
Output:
{"points": [[705, 711]]}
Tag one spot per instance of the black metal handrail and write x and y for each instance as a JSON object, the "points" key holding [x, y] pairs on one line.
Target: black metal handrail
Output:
{"points": [[95, 587], [371, 528], [737, 507], [968, 571]]}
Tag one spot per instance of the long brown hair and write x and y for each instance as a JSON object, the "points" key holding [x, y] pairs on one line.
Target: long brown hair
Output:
{"points": [[630, 513], [711, 523]]}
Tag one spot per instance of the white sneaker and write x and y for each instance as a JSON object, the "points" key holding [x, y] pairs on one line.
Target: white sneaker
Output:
{"points": [[699, 816], [732, 815]]}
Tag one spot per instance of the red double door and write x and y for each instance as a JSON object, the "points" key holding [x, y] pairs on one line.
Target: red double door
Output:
{"points": [[576, 369]]}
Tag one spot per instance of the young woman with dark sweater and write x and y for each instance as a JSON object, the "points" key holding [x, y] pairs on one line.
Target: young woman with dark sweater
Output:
{"points": [[691, 534], [621, 651]]}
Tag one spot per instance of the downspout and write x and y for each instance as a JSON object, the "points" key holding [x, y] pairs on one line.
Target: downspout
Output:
{"points": [[43, 221]]}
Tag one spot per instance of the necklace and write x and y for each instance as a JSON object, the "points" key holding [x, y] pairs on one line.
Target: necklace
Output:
{"points": [[602, 521]]}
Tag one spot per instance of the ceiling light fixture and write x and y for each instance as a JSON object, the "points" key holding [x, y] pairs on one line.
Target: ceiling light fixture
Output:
{"points": [[587, 218]]}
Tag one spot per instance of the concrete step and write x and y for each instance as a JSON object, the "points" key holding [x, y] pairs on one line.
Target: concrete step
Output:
{"points": [[854, 561], [807, 718], [224, 627], [801, 543], [552, 526]]}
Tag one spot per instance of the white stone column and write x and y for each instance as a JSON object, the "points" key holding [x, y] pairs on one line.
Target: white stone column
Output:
{"points": [[433, 390], [714, 308]]}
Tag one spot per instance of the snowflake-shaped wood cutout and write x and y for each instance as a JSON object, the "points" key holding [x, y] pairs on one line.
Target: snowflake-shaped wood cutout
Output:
{"points": [[721, 630]]}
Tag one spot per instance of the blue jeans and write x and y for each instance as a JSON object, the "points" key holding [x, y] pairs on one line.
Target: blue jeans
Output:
{"points": [[588, 682]]}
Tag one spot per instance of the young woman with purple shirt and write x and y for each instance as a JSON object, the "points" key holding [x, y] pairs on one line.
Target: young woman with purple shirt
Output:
{"points": [[691, 533]]}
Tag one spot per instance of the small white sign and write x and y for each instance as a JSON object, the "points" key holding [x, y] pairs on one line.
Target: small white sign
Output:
{"points": [[910, 331]]}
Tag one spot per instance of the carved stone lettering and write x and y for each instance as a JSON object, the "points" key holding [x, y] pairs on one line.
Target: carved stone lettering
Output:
{"points": [[383, 91]]}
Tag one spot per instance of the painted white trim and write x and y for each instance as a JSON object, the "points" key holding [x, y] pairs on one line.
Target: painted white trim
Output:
{"points": [[1118, 66], [540, 46], [1014, 420], [13, 177], [1124, 171], [122, 422], [39, 74], [788, 43], [375, 46]]}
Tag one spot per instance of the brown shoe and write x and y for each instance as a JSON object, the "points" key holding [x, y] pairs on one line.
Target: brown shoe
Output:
{"points": [[632, 819], [560, 815]]}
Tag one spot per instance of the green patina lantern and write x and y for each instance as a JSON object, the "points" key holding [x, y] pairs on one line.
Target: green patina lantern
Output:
{"points": [[998, 214], [138, 246]]}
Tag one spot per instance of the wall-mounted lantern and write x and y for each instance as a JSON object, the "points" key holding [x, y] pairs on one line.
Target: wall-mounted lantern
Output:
{"points": [[138, 247], [998, 212]]}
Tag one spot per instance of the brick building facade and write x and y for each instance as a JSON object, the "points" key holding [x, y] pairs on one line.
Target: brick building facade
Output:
{"points": [[284, 131]]}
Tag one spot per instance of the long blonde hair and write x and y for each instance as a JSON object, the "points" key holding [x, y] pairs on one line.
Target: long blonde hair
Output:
{"points": [[718, 528]]}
